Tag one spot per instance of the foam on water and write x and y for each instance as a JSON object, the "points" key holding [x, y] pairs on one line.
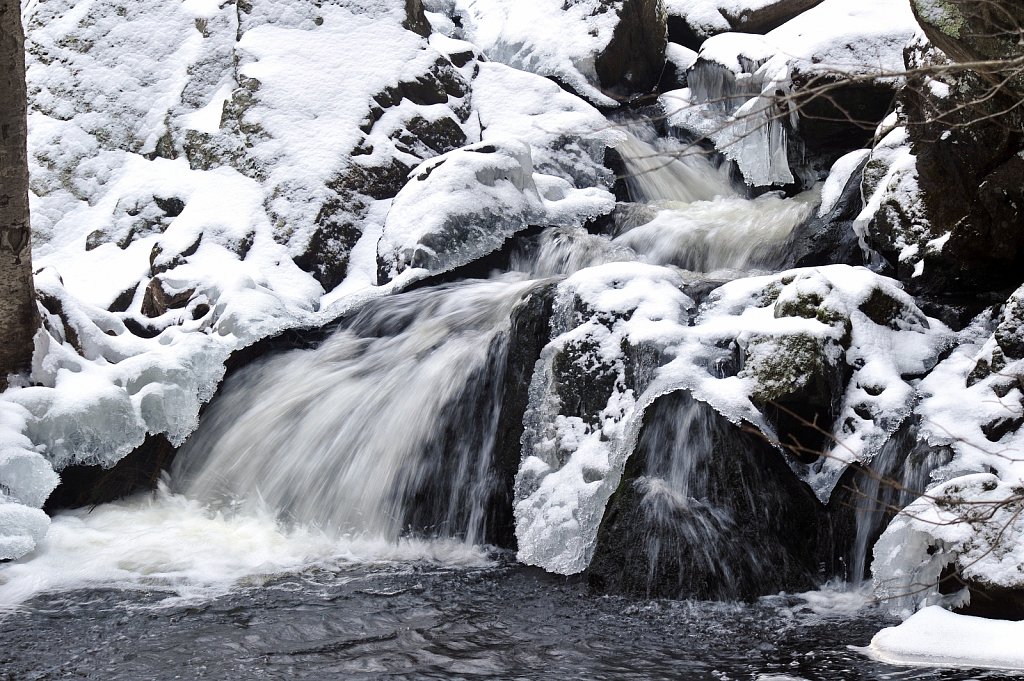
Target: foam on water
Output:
{"points": [[166, 542]]}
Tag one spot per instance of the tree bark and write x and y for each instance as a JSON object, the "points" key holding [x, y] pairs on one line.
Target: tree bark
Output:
{"points": [[17, 294]]}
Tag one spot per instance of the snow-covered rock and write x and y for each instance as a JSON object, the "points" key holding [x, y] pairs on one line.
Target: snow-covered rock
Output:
{"points": [[603, 50], [836, 346], [969, 520], [693, 21], [744, 91]]}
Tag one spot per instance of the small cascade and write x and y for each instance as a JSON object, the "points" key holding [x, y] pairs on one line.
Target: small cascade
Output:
{"points": [[728, 233], [659, 171], [389, 426], [899, 473], [694, 218]]}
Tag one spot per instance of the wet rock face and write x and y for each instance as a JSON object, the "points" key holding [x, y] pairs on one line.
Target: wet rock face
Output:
{"points": [[634, 59], [705, 510], [829, 239]]}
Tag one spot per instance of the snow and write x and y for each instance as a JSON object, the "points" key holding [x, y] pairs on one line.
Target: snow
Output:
{"points": [[546, 37], [935, 637], [838, 177]]}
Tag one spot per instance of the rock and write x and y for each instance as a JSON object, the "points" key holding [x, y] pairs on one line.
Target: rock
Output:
{"points": [[691, 23], [953, 229], [602, 50], [465, 204], [830, 239], [157, 299], [633, 60], [976, 32], [415, 18], [706, 510], [458, 207]]}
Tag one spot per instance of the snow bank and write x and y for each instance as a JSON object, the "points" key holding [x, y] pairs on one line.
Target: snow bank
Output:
{"points": [[938, 638]]}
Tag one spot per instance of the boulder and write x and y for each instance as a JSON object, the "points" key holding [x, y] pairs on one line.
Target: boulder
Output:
{"points": [[602, 50], [952, 228], [707, 510]]}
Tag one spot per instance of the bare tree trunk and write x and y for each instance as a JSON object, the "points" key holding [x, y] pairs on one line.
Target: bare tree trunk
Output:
{"points": [[17, 295]]}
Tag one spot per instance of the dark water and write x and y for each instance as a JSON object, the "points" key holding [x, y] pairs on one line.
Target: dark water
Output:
{"points": [[425, 622]]}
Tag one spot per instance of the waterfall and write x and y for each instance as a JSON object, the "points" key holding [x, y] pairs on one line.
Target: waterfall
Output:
{"points": [[388, 426], [899, 473], [660, 171]]}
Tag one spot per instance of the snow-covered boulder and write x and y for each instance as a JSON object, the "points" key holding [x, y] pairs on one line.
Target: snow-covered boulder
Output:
{"points": [[463, 205], [836, 346], [458, 207], [608, 327], [603, 50], [946, 214], [968, 522]]}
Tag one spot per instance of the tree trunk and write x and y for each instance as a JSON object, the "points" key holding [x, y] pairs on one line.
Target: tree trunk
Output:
{"points": [[17, 296]]}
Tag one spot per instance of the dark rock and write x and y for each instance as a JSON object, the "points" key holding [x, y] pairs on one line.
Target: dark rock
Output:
{"points": [[91, 485], [692, 34], [157, 300], [830, 239], [984, 600], [978, 32], [836, 116], [415, 19], [706, 510], [967, 146], [635, 57], [767, 16], [123, 300]]}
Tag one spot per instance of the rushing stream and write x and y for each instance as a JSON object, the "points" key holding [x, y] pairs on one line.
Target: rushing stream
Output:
{"points": [[329, 518]]}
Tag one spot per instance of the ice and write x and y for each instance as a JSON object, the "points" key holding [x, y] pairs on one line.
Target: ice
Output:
{"points": [[935, 637]]}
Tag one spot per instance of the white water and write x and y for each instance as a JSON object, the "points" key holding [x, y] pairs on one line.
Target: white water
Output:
{"points": [[340, 438], [168, 543], [697, 221]]}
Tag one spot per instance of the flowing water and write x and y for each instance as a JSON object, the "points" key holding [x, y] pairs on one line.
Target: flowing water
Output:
{"points": [[329, 517]]}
